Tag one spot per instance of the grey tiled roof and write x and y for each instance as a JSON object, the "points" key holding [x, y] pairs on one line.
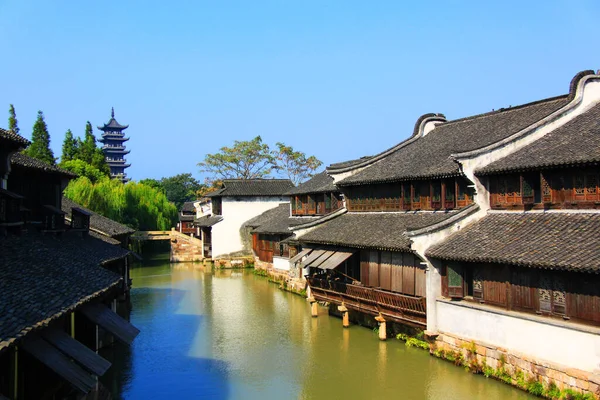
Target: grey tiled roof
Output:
{"points": [[253, 187], [276, 220], [44, 276], [13, 137], [188, 206], [186, 218], [349, 163], [98, 222], [575, 143], [429, 156], [207, 220], [29, 162], [384, 231], [319, 183], [568, 241]]}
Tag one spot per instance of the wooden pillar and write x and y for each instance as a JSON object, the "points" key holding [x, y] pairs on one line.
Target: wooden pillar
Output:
{"points": [[382, 327], [314, 311], [15, 373], [345, 319], [73, 324]]}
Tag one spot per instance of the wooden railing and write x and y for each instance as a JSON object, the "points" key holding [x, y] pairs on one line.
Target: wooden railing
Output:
{"points": [[397, 306]]}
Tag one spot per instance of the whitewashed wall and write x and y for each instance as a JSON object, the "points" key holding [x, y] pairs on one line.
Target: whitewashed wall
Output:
{"points": [[569, 347], [281, 263], [235, 211]]}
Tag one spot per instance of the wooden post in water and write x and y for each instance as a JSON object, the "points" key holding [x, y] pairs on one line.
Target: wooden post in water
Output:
{"points": [[345, 319], [314, 311], [382, 327]]}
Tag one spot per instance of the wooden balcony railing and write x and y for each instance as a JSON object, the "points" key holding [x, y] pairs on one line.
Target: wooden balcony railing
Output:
{"points": [[396, 306]]}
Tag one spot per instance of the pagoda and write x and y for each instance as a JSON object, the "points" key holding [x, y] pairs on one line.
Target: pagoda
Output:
{"points": [[114, 140]]}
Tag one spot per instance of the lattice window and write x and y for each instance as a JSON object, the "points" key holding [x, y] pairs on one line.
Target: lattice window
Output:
{"points": [[335, 202], [559, 295], [449, 195], [462, 191], [527, 189], [545, 293], [328, 201], [579, 185], [477, 283], [416, 195], [552, 294], [546, 190], [406, 193], [293, 201], [298, 203], [591, 183], [436, 193]]}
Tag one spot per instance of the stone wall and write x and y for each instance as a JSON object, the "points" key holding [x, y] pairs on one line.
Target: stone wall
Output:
{"points": [[511, 367], [185, 249]]}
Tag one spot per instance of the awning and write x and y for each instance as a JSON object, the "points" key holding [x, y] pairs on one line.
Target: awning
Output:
{"points": [[336, 259], [298, 256], [313, 256], [76, 350], [110, 321], [59, 363], [316, 263]]}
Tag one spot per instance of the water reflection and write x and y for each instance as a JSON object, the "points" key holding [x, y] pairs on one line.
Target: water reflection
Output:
{"points": [[231, 335]]}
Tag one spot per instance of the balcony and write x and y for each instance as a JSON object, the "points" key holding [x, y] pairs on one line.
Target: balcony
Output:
{"points": [[394, 306]]}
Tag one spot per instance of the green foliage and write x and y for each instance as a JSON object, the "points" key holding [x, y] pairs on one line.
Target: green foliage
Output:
{"points": [[69, 148], [260, 272], [134, 204], [153, 183], [12, 119], [244, 160], [82, 168], [552, 391], [570, 394], [40, 141], [294, 164], [413, 341], [180, 188], [535, 387]]}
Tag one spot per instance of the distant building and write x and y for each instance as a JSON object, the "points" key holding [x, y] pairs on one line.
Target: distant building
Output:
{"points": [[114, 140]]}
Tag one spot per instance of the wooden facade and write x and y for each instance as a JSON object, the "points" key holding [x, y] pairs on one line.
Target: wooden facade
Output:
{"points": [[406, 196], [266, 246], [567, 295], [552, 189], [375, 281], [315, 203]]}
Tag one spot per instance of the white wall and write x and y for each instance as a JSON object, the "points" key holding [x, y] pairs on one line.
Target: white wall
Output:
{"points": [[235, 211], [543, 341], [203, 208], [281, 263]]}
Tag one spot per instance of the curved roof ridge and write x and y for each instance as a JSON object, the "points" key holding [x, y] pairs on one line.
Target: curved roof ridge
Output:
{"points": [[373, 159]]}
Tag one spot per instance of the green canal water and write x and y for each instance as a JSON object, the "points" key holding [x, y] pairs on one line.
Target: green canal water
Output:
{"points": [[233, 335]]}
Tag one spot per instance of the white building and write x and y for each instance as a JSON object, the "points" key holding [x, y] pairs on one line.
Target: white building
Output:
{"points": [[234, 203]]}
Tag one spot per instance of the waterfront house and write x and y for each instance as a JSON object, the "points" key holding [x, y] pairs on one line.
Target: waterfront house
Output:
{"points": [[58, 292], [187, 215], [235, 202], [479, 229]]}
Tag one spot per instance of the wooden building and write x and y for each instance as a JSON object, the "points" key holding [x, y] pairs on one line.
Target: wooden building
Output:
{"points": [[187, 215], [482, 230], [58, 287]]}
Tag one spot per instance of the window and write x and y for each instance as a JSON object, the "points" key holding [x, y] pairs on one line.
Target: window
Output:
{"points": [[436, 194], [328, 201], [455, 280]]}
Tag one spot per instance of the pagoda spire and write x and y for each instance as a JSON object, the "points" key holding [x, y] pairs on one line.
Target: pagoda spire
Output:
{"points": [[112, 112]]}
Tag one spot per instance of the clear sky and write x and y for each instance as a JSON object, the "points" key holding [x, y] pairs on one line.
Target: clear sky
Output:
{"points": [[335, 79]]}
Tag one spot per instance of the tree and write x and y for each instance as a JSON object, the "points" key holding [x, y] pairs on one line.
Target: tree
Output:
{"points": [[180, 188], [88, 146], [40, 141], [134, 204], [12, 119], [69, 148], [82, 168], [245, 160], [153, 183], [294, 164]]}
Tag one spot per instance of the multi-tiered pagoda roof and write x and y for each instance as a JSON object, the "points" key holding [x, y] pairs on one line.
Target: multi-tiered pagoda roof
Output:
{"points": [[114, 150]]}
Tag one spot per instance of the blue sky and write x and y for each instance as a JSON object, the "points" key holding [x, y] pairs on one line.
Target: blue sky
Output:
{"points": [[335, 79]]}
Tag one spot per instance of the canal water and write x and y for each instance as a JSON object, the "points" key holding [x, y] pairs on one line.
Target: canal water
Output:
{"points": [[233, 335]]}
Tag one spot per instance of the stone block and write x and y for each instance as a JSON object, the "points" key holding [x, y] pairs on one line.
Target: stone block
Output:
{"points": [[450, 340], [524, 365], [577, 373], [492, 362], [555, 375], [482, 350], [594, 378], [582, 384], [495, 354], [594, 388]]}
